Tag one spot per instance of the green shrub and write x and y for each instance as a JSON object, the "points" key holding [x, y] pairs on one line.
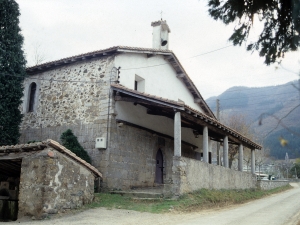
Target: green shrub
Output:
{"points": [[69, 140]]}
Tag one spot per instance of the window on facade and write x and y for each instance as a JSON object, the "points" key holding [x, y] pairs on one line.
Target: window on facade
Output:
{"points": [[32, 91], [139, 84], [135, 85]]}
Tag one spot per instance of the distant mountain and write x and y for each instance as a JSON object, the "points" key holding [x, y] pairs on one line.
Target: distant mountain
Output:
{"points": [[276, 108]]}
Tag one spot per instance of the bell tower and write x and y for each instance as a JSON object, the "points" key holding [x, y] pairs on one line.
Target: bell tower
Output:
{"points": [[160, 35]]}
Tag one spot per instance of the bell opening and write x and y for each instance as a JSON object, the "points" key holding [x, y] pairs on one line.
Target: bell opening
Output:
{"points": [[164, 42]]}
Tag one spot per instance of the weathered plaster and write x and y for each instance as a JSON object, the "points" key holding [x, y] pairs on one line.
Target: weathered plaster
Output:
{"points": [[137, 114], [190, 175], [51, 182], [271, 184], [160, 80]]}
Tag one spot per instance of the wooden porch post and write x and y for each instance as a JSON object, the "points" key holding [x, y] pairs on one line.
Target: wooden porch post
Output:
{"points": [[177, 134]]}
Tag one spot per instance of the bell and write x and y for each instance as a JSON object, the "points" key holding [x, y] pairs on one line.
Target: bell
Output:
{"points": [[163, 42]]}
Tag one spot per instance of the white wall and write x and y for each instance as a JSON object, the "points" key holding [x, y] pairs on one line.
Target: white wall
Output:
{"points": [[138, 115], [159, 80]]}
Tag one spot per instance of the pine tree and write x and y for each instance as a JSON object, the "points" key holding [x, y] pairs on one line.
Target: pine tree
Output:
{"points": [[280, 18], [69, 140], [12, 72]]}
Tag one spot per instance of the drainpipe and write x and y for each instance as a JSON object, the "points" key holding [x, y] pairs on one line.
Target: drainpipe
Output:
{"points": [[109, 95]]}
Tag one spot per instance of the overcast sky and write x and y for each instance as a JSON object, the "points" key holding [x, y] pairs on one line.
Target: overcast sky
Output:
{"points": [[63, 28]]}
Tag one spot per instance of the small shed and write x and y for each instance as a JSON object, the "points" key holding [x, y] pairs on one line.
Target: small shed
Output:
{"points": [[43, 178]]}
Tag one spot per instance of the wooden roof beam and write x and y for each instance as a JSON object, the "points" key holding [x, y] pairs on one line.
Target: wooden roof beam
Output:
{"points": [[197, 100], [180, 75], [223, 131]]}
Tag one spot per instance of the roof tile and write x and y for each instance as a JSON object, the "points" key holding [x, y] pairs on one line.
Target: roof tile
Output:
{"points": [[55, 145], [201, 115]]}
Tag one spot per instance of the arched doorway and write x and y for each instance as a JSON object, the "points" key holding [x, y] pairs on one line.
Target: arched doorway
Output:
{"points": [[159, 167]]}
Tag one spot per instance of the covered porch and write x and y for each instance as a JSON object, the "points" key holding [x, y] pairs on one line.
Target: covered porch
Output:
{"points": [[204, 128]]}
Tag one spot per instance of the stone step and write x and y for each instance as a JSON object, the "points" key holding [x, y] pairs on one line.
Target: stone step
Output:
{"points": [[139, 194]]}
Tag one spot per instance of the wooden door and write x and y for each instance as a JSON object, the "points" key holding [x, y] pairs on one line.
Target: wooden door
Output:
{"points": [[159, 167]]}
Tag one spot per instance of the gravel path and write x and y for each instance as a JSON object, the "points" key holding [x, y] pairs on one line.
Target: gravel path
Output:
{"points": [[278, 209]]}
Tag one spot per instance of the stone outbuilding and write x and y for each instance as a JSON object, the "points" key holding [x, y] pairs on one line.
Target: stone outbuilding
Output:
{"points": [[43, 178]]}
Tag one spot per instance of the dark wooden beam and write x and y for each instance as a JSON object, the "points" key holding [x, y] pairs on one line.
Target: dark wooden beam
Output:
{"points": [[136, 101], [154, 132], [160, 112], [169, 57], [150, 55], [180, 75], [14, 156], [216, 130]]}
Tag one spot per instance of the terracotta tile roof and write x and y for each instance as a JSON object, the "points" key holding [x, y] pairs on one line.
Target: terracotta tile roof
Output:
{"points": [[200, 115], [170, 57], [218, 124], [49, 143], [121, 87], [95, 53]]}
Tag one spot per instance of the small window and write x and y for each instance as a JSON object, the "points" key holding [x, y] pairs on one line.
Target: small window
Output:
{"points": [[139, 84], [32, 91], [135, 85]]}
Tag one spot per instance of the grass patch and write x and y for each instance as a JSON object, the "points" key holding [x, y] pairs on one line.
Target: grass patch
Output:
{"points": [[116, 201], [201, 199]]}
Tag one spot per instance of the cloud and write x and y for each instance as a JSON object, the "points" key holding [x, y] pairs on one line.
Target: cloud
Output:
{"points": [[65, 28]]}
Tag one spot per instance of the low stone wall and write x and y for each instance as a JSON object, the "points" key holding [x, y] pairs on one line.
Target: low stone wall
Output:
{"points": [[51, 182], [190, 175], [271, 184]]}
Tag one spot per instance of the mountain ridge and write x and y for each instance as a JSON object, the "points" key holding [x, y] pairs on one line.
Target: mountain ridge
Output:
{"points": [[270, 109]]}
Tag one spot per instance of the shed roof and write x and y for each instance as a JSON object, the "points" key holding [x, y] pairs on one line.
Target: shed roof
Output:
{"points": [[196, 116], [37, 146]]}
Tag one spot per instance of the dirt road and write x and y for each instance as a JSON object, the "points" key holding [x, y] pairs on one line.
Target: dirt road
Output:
{"points": [[279, 209]]}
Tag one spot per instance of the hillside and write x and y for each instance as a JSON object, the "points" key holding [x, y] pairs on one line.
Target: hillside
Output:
{"points": [[268, 104]]}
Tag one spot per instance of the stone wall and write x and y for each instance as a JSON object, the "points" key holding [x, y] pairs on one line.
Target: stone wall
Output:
{"points": [[73, 96], [51, 182], [86, 134], [129, 160], [190, 175], [271, 184]]}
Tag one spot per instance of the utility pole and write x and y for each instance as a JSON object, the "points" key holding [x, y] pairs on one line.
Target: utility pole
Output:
{"points": [[218, 144]]}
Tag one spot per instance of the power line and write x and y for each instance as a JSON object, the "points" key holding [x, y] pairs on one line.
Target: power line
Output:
{"points": [[225, 99], [205, 53], [289, 70], [208, 52]]}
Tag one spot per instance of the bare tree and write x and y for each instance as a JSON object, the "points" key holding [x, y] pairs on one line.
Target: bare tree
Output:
{"points": [[261, 157], [239, 123], [38, 54], [247, 158]]}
